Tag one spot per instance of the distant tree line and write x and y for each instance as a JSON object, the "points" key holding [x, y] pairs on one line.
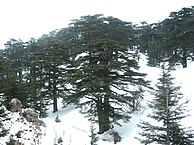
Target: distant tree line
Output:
{"points": [[91, 64], [170, 40]]}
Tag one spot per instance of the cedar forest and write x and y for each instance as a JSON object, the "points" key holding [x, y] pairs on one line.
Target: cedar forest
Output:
{"points": [[93, 64]]}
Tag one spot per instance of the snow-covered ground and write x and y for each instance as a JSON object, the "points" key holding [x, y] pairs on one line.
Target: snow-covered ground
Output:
{"points": [[74, 129], [20, 129]]}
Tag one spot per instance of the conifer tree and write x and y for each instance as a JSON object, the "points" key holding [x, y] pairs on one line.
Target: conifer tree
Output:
{"points": [[54, 58], [179, 33], [103, 67], [2, 73], [13, 56], [51, 63], [35, 77], [168, 111], [171, 39], [150, 39]]}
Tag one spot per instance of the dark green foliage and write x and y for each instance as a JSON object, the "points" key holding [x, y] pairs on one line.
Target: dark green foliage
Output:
{"points": [[102, 67], [36, 77], [89, 64], [168, 111], [55, 57], [33, 72], [148, 44], [11, 141], [179, 33], [14, 72], [4, 132], [2, 72], [170, 40], [18, 134]]}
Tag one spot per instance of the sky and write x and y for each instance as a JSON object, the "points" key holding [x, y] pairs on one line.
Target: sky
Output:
{"points": [[25, 19]]}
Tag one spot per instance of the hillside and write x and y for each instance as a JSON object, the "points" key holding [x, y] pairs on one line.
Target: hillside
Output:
{"points": [[73, 129], [20, 128]]}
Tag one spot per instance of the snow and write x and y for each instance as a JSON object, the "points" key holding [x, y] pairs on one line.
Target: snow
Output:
{"points": [[16, 123], [76, 126], [74, 129]]}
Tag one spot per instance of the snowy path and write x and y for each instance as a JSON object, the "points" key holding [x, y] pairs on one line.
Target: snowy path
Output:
{"points": [[71, 129]]}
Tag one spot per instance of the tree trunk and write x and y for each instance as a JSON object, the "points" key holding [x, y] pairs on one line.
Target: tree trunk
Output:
{"points": [[100, 115], [103, 109], [55, 108], [184, 63], [106, 103], [167, 119], [134, 107], [106, 113]]}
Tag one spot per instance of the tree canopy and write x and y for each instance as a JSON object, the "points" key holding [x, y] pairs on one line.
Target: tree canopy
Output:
{"points": [[169, 40], [93, 63], [102, 67]]}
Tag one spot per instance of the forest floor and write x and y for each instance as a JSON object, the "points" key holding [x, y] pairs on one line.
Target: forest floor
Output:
{"points": [[74, 129]]}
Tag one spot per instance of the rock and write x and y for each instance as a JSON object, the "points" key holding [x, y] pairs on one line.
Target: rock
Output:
{"points": [[15, 105], [19, 122], [32, 116], [116, 137], [18, 143]]}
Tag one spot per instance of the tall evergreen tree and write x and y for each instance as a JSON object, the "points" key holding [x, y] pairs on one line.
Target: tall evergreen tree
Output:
{"points": [[13, 77], [168, 111], [2, 73], [55, 58], [103, 68], [35, 78], [179, 35]]}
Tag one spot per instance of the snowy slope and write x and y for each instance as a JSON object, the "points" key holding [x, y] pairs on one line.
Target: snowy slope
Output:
{"points": [[20, 129], [74, 129]]}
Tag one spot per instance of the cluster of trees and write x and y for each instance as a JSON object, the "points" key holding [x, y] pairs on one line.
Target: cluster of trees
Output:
{"points": [[170, 40], [91, 64], [87, 64]]}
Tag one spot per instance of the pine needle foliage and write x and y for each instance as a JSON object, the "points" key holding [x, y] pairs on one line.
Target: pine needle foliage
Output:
{"points": [[168, 111], [102, 67]]}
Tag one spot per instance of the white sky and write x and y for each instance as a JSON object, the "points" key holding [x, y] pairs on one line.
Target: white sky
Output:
{"points": [[27, 19]]}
